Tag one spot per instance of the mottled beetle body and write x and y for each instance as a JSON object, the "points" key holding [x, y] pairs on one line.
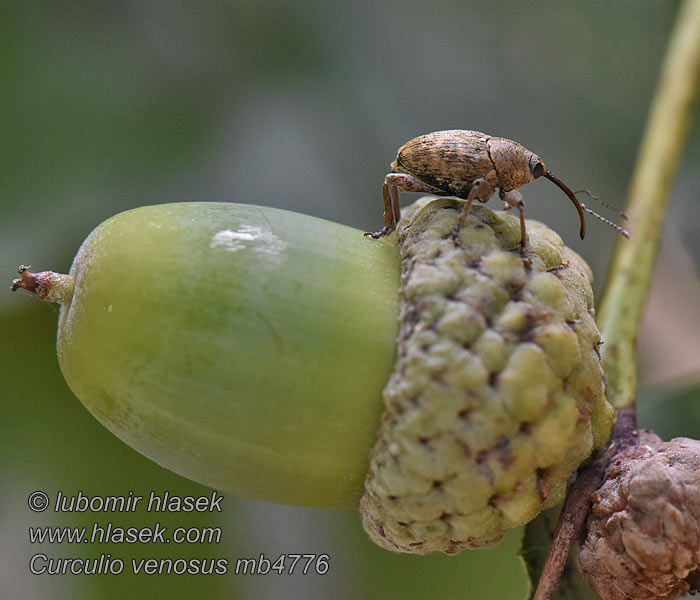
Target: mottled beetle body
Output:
{"points": [[469, 165], [451, 160], [447, 162]]}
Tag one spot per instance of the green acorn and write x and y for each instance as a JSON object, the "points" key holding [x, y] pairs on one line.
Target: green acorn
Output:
{"points": [[247, 348], [497, 393], [244, 347]]}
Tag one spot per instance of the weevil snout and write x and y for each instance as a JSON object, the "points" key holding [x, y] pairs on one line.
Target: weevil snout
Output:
{"points": [[570, 194]]}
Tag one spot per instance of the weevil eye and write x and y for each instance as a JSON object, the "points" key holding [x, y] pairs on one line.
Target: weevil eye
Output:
{"points": [[536, 167]]}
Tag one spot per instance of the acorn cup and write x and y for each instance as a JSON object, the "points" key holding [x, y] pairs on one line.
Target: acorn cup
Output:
{"points": [[247, 348], [643, 533], [497, 393]]}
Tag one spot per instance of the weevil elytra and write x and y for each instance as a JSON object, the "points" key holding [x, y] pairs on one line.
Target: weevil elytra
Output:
{"points": [[469, 165]]}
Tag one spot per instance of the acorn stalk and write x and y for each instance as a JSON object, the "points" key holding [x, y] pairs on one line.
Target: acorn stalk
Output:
{"points": [[47, 285]]}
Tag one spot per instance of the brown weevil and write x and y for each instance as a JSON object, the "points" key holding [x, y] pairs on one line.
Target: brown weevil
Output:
{"points": [[469, 165]]}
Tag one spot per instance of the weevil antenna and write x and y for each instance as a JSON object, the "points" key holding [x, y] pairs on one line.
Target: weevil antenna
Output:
{"points": [[603, 203], [570, 194], [615, 226]]}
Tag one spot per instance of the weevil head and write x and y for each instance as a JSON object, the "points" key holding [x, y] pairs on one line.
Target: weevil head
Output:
{"points": [[515, 164], [537, 168]]}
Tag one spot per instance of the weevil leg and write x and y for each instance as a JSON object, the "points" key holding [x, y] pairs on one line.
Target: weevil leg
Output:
{"points": [[393, 182], [481, 190], [515, 199], [390, 193], [395, 204]]}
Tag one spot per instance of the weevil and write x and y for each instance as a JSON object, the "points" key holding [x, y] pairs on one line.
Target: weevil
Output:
{"points": [[469, 165]]}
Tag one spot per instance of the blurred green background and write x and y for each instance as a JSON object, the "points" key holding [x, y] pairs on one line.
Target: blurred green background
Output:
{"points": [[108, 106]]}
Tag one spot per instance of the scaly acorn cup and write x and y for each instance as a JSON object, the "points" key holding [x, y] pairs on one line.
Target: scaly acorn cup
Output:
{"points": [[643, 538], [247, 348], [497, 393]]}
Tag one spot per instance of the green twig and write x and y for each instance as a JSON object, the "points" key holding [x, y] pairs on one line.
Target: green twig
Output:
{"points": [[632, 267]]}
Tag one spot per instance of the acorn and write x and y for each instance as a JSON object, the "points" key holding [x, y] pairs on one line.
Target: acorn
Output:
{"points": [[247, 348], [243, 347]]}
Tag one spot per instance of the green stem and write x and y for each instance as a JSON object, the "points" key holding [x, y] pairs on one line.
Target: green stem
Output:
{"points": [[661, 149]]}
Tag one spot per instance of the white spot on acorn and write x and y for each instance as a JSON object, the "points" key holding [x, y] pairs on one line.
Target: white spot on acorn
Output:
{"points": [[248, 236]]}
